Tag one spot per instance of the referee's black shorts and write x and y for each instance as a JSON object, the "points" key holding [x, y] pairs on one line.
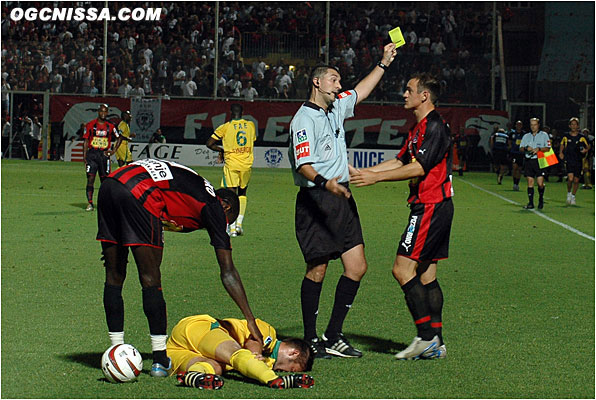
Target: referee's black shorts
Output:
{"points": [[123, 220], [326, 225], [426, 238], [532, 168]]}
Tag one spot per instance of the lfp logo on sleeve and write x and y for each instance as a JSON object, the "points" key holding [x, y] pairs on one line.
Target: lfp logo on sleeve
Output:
{"points": [[303, 146]]}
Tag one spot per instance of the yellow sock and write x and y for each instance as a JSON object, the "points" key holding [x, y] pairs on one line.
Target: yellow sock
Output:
{"points": [[243, 201], [202, 367], [586, 181], [245, 362]]}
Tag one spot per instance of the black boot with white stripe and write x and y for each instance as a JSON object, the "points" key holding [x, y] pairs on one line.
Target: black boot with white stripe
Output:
{"points": [[340, 347]]}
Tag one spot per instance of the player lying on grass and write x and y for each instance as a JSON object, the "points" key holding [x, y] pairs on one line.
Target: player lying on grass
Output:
{"points": [[202, 348]]}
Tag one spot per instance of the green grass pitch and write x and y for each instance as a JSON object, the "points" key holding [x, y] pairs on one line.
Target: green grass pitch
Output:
{"points": [[519, 293]]}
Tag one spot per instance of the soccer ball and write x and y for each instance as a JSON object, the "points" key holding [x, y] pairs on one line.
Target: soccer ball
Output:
{"points": [[121, 363]]}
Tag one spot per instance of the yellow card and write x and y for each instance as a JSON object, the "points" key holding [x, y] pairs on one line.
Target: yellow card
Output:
{"points": [[397, 37]]}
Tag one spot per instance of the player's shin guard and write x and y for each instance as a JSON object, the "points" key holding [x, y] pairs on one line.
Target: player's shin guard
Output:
{"points": [[113, 305], [415, 295], [245, 362], [154, 307], [89, 191], [345, 293], [434, 297], [310, 292]]}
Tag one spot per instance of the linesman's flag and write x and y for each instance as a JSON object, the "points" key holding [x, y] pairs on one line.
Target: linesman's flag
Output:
{"points": [[547, 159]]}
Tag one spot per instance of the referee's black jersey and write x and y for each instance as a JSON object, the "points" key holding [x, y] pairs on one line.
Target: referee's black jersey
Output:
{"points": [[176, 195]]}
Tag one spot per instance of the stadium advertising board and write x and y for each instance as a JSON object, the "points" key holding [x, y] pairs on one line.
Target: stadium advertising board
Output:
{"points": [[193, 121], [201, 156]]}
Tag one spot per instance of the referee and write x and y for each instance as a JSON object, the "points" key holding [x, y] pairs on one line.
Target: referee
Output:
{"points": [[533, 142], [327, 221]]}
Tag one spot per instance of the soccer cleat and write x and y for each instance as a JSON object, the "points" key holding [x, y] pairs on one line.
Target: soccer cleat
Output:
{"points": [[89, 207], [200, 380], [318, 348], [587, 187], [516, 188], [294, 381], [529, 206], [239, 230], [418, 349], [540, 205], [568, 198], [572, 200], [341, 347], [440, 352], [159, 371]]}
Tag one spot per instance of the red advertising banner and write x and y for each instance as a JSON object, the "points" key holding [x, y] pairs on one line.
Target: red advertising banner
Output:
{"points": [[193, 121]]}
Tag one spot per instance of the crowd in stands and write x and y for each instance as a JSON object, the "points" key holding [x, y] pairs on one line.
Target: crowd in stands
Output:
{"points": [[175, 56]]}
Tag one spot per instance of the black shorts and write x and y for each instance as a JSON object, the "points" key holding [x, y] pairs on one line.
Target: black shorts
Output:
{"points": [[98, 162], [573, 168], [500, 157], [123, 220], [532, 169], [326, 225], [517, 158], [426, 238]]}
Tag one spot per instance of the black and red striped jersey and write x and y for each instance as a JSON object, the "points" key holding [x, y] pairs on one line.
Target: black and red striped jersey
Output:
{"points": [[182, 199], [100, 133], [429, 143]]}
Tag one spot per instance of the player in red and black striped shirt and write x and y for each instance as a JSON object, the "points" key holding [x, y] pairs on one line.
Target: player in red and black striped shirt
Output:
{"points": [[135, 203], [99, 134], [425, 159]]}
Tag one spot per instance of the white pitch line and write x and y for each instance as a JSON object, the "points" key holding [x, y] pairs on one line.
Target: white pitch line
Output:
{"points": [[546, 217]]}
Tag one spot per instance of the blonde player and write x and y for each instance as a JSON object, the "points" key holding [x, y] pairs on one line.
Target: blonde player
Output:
{"points": [[237, 137], [123, 154], [202, 348]]}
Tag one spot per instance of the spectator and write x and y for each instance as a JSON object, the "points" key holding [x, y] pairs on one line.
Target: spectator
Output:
{"points": [[93, 91], [249, 93], [189, 88], [137, 91], [271, 91], [157, 137], [234, 86], [282, 80], [179, 78], [125, 89]]}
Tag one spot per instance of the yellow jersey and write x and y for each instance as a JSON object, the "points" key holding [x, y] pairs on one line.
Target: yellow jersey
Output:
{"points": [[237, 137], [123, 152], [190, 331]]}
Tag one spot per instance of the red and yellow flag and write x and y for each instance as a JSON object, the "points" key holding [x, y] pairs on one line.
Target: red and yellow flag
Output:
{"points": [[546, 159]]}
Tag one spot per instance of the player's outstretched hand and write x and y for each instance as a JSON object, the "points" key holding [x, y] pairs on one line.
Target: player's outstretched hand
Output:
{"points": [[363, 178], [337, 189], [301, 381]]}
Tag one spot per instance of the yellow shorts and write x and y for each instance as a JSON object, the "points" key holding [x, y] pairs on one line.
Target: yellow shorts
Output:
{"points": [[123, 153], [195, 336], [235, 178]]}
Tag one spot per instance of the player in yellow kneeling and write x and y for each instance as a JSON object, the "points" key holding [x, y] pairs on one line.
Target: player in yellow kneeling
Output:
{"points": [[202, 348], [237, 137]]}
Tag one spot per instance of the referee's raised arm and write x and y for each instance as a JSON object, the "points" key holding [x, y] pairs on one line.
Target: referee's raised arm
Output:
{"points": [[365, 87]]}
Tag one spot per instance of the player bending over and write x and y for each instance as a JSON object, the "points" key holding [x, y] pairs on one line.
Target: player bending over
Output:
{"points": [[202, 348]]}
